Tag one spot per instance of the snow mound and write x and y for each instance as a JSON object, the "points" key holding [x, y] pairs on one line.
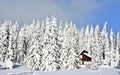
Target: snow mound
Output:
{"points": [[21, 73], [8, 64]]}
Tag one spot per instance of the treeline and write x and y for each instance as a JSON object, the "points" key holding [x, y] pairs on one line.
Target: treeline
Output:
{"points": [[50, 46]]}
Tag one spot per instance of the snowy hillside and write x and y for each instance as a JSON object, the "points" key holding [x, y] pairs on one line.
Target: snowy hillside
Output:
{"points": [[22, 70]]}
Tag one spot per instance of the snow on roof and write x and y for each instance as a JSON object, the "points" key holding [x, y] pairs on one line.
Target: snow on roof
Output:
{"points": [[88, 55], [81, 56], [82, 51]]}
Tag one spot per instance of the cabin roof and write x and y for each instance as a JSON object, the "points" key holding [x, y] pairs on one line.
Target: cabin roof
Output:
{"points": [[88, 55], [85, 53]]}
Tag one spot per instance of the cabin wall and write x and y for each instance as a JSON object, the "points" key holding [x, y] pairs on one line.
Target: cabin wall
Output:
{"points": [[85, 58]]}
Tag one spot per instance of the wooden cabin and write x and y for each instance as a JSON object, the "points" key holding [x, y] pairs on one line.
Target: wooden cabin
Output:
{"points": [[85, 57]]}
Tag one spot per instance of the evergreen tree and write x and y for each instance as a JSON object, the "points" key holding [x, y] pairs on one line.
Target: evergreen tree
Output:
{"points": [[22, 44], [34, 55], [6, 53], [117, 59], [81, 40], [112, 49], [64, 52], [51, 58], [97, 46], [105, 46], [91, 39], [87, 39], [13, 35]]}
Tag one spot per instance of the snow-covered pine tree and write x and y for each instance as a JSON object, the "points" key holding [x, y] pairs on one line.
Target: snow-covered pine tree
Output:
{"points": [[107, 50], [51, 48], [87, 39], [6, 52], [22, 44], [24, 41], [64, 55], [44, 64], [4, 38], [81, 39], [34, 57], [103, 34], [1, 46], [105, 45], [97, 46], [91, 39], [117, 58], [13, 35], [75, 44], [71, 47], [112, 49]]}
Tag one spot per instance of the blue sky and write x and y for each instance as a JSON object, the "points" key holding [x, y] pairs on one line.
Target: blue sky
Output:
{"points": [[81, 12]]}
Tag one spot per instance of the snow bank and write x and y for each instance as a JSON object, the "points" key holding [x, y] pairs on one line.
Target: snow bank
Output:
{"points": [[8, 64], [91, 66], [22, 73], [22, 70]]}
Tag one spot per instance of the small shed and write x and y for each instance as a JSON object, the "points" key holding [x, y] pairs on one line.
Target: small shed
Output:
{"points": [[85, 57]]}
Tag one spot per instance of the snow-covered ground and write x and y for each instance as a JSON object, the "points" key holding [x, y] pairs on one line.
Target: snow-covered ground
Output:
{"points": [[22, 70]]}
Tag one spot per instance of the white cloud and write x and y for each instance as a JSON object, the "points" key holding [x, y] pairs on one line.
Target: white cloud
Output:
{"points": [[71, 9]]}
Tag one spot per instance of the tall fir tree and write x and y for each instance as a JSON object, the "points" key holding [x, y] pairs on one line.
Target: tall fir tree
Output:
{"points": [[6, 51], [13, 36], [117, 60], [112, 48], [51, 58], [105, 45], [91, 39], [96, 48], [34, 55], [22, 44]]}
